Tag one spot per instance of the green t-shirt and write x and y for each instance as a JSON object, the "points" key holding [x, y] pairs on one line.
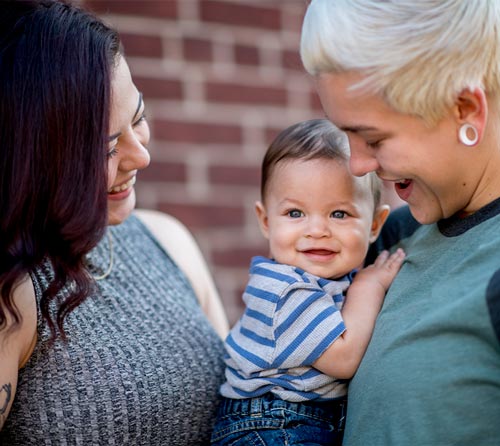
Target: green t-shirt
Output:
{"points": [[431, 374]]}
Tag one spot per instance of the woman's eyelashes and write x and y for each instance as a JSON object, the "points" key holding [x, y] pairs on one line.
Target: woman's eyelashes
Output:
{"points": [[112, 152], [141, 119], [374, 144]]}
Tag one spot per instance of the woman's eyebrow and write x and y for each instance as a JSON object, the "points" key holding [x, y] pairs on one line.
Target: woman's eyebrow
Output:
{"points": [[139, 105], [357, 128]]}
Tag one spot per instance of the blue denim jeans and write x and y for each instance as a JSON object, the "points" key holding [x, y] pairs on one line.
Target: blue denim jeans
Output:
{"points": [[269, 421]]}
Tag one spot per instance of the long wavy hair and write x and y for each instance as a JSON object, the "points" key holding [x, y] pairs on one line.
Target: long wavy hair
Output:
{"points": [[56, 65]]}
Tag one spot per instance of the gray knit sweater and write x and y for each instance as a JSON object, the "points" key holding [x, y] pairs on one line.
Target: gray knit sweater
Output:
{"points": [[142, 366]]}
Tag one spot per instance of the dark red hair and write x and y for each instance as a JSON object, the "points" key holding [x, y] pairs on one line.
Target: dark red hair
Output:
{"points": [[56, 64]]}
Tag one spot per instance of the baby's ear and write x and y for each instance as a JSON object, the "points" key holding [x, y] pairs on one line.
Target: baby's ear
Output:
{"points": [[260, 210], [379, 217]]}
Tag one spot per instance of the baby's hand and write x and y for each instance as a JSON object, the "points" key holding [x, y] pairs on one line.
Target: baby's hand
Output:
{"points": [[383, 271]]}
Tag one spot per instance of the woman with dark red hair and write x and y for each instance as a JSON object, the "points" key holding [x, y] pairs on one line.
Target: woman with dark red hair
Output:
{"points": [[103, 336]]}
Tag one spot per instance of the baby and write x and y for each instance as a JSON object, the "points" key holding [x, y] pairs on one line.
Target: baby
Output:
{"points": [[309, 312]]}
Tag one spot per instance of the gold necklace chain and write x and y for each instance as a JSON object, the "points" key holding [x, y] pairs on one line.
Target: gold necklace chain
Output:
{"points": [[110, 266]]}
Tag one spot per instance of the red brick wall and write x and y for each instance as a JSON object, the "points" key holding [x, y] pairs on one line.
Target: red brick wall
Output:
{"points": [[220, 78]]}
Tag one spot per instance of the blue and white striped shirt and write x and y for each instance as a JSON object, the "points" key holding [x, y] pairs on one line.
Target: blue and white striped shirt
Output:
{"points": [[291, 318]]}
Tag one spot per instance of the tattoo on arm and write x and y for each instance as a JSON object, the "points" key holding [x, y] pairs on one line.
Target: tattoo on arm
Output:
{"points": [[5, 397]]}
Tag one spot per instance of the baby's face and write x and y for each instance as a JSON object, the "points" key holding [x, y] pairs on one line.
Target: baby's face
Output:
{"points": [[317, 216]]}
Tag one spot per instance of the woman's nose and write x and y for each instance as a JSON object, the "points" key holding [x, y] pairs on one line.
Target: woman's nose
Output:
{"points": [[362, 159], [136, 156], [142, 158]]}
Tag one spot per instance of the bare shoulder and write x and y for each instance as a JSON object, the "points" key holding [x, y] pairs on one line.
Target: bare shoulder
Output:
{"points": [[169, 231], [16, 344], [19, 341], [175, 239]]}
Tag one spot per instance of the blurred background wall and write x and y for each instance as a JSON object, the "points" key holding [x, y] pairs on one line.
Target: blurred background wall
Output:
{"points": [[220, 79]]}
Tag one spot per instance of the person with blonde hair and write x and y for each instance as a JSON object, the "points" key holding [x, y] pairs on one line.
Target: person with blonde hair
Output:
{"points": [[416, 87]]}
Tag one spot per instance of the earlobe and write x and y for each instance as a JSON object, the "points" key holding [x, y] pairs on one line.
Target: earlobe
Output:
{"points": [[261, 213], [471, 113], [379, 217], [468, 135]]}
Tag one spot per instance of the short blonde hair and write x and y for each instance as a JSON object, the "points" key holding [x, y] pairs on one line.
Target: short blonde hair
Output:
{"points": [[418, 55]]}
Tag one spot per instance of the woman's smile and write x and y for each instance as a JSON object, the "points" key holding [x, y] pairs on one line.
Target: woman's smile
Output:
{"points": [[122, 190], [404, 189]]}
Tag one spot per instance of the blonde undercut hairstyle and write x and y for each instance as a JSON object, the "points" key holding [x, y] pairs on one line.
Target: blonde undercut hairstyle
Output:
{"points": [[417, 54]]}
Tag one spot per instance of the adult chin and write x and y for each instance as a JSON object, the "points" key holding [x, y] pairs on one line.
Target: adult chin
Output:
{"points": [[120, 209], [426, 214]]}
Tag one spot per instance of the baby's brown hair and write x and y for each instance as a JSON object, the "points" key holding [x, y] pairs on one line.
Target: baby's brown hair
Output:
{"points": [[313, 139]]}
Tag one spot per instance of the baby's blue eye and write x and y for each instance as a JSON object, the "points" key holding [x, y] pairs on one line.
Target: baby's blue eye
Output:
{"points": [[295, 213], [338, 214]]}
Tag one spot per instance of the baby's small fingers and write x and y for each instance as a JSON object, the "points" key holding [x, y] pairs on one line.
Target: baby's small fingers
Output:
{"points": [[382, 258], [396, 259]]}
